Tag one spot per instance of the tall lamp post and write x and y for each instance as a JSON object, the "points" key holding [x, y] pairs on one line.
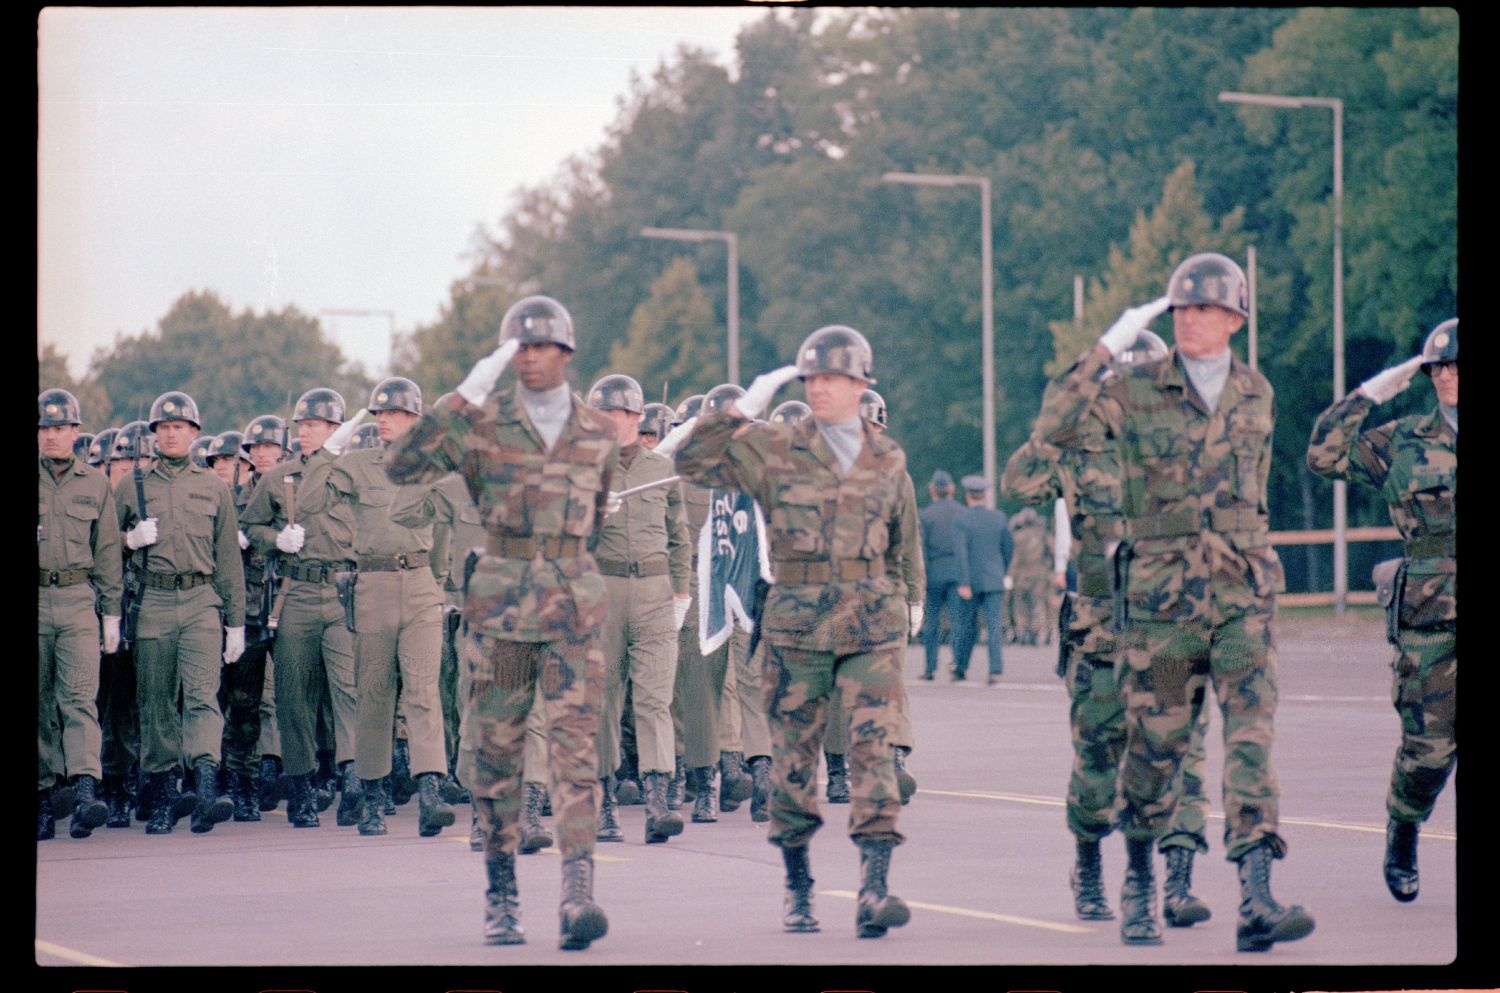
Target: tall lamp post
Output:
{"points": [[987, 303], [733, 241], [1340, 489], [390, 319]]}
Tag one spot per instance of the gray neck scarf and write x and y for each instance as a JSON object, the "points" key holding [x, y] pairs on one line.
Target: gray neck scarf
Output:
{"points": [[548, 410], [845, 439], [1450, 414], [1208, 376]]}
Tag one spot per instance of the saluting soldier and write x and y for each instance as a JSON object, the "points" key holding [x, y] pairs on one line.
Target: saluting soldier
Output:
{"points": [[538, 462], [1413, 462], [832, 490], [78, 604], [179, 522]]}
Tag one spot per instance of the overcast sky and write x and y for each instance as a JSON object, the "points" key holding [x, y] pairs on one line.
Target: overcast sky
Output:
{"points": [[326, 158]]}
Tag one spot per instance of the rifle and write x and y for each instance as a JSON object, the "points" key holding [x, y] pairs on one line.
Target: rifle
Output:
{"points": [[289, 497], [135, 588]]}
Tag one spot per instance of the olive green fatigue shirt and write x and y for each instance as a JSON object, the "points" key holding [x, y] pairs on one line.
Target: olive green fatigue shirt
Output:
{"points": [[328, 524], [651, 526], [358, 477], [80, 529]]}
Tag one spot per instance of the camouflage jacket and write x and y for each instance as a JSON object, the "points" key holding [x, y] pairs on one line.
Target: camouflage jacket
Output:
{"points": [[818, 520], [1413, 462], [522, 491], [77, 528], [1193, 483], [650, 526]]}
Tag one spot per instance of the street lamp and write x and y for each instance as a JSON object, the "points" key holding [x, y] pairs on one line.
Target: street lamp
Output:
{"points": [[390, 318], [733, 241], [987, 353], [1340, 489]]}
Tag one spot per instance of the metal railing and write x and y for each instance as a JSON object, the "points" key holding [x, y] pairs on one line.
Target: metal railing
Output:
{"points": [[1325, 536]]}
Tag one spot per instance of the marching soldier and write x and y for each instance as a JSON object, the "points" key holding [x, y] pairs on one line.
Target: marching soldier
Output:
{"points": [[1413, 462], [1199, 580], [179, 522], [78, 603], [1029, 577], [832, 490], [538, 462], [264, 441]]}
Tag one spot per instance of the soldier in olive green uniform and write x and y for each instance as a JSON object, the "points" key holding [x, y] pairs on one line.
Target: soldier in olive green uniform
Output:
{"points": [[1200, 583], [1413, 462], [831, 488], [397, 616], [78, 560], [265, 443], [314, 650], [538, 462], [192, 611]]}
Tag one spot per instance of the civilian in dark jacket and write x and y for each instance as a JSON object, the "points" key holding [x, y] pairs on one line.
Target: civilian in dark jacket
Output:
{"points": [[940, 553], [983, 545]]}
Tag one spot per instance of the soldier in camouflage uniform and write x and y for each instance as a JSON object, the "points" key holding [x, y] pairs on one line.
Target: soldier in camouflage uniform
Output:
{"points": [[1413, 462], [832, 491], [1199, 582], [538, 462], [78, 600], [1029, 578], [1085, 472]]}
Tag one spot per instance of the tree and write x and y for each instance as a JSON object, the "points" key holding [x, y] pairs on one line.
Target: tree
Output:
{"points": [[674, 337]]}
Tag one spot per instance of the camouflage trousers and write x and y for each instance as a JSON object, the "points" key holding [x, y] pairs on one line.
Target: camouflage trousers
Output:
{"points": [[1163, 688], [798, 685], [500, 687], [1096, 715], [448, 682], [1028, 606], [1425, 694]]}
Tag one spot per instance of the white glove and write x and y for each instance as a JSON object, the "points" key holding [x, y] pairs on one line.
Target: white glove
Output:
{"points": [[111, 634], [486, 372], [680, 606], [759, 395], [1386, 384], [1009, 584], [244, 541], [668, 446], [234, 644], [335, 443], [141, 535], [1123, 332], [916, 611], [290, 538]]}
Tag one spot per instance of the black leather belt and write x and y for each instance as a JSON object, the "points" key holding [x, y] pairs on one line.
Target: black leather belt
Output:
{"points": [[391, 563], [314, 572], [176, 580], [656, 567]]}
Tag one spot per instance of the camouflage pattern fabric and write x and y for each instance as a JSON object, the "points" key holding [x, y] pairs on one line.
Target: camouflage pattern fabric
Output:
{"points": [[1031, 573], [1425, 694]]}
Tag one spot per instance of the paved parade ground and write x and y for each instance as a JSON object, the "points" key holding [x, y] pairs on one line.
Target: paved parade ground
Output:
{"points": [[984, 870]]}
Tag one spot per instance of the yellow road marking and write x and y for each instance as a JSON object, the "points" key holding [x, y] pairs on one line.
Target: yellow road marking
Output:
{"points": [[983, 915], [81, 958]]}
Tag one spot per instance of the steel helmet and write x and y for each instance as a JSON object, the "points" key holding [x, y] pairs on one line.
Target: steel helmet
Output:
{"points": [[720, 397], [836, 349], [617, 392], [198, 450], [872, 407], [1209, 280], [174, 405], [1147, 347], [230, 444], [538, 320], [791, 413], [1441, 345], [396, 393], [135, 441], [54, 407], [688, 409], [267, 429], [101, 446], [81, 445], [656, 418], [320, 404], [368, 436]]}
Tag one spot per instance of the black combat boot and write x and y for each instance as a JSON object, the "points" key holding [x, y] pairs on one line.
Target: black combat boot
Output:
{"points": [[118, 801], [351, 797], [270, 783], [372, 810], [143, 796], [1401, 859], [432, 812], [705, 799], [1179, 907], [797, 907], [838, 778], [628, 792], [546, 802], [89, 811], [905, 781], [502, 902], [879, 910], [735, 784], [1089, 901], [62, 800], [453, 791], [1263, 921], [388, 791], [609, 813], [534, 835], [301, 808], [212, 807], [324, 781], [46, 823], [1138, 925], [661, 823], [161, 791], [243, 791], [403, 786], [760, 789], [582, 921], [676, 785], [183, 794]]}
